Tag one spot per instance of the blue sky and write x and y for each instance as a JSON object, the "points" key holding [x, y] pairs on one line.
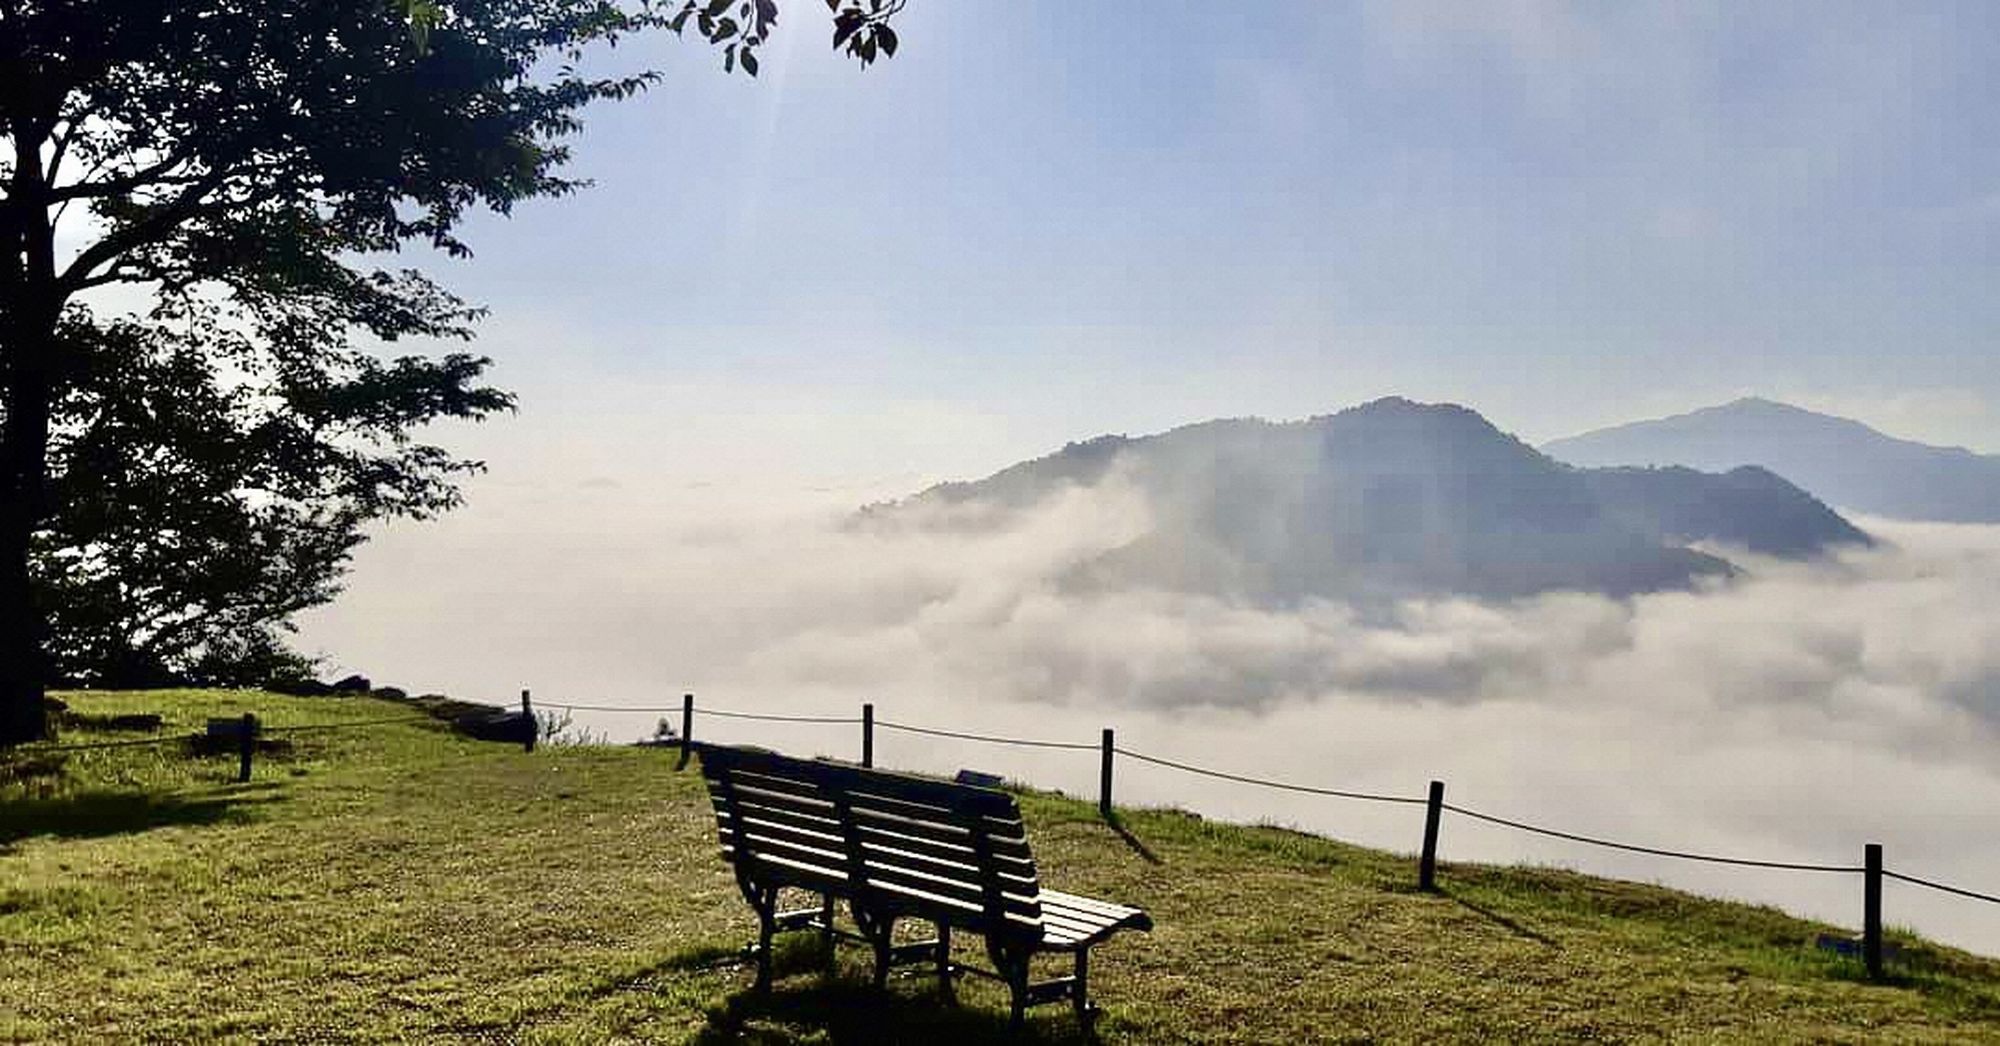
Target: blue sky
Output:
{"points": [[1042, 221]]}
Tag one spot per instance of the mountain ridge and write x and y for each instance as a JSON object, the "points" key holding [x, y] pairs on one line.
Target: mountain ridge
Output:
{"points": [[1392, 498]]}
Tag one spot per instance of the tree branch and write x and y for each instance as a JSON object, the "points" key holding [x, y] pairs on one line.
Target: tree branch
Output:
{"points": [[161, 221]]}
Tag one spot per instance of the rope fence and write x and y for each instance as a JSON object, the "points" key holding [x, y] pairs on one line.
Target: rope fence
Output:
{"points": [[1635, 848], [1282, 785], [1017, 742], [1871, 869], [1930, 884], [607, 708], [769, 718], [313, 728]]}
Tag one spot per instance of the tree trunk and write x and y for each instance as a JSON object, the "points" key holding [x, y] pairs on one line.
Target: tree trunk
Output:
{"points": [[24, 445], [28, 351]]}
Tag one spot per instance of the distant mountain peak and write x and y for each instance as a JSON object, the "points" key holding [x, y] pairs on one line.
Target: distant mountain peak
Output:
{"points": [[1840, 460], [1759, 403]]}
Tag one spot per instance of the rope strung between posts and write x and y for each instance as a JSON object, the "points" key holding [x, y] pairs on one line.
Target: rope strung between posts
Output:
{"points": [[315, 727], [1286, 786], [770, 718], [88, 745], [609, 708], [700, 710], [1018, 742], [1711, 858], [167, 739], [1940, 886]]}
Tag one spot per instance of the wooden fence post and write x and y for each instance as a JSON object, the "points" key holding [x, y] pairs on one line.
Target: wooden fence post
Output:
{"points": [[528, 723], [246, 745], [868, 734], [1104, 777], [1427, 865], [1871, 910], [687, 729]]}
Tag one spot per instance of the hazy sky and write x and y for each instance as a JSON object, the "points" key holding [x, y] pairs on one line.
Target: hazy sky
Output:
{"points": [[1044, 221]]}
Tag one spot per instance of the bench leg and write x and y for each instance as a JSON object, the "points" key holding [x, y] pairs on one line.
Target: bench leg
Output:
{"points": [[1012, 966], [944, 963], [879, 930], [1086, 1014], [826, 939], [766, 903]]}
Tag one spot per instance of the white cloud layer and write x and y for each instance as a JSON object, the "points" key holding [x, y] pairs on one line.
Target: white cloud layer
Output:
{"points": [[1791, 716]]}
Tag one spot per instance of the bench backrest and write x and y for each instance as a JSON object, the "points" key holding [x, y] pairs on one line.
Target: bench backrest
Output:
{"points": [[901, 844]]}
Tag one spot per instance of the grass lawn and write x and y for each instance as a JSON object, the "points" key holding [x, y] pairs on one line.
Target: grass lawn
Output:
{"points": [[401, 882]]}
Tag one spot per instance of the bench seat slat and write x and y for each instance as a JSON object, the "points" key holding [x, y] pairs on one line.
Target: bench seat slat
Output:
{"points": [[874, 786], [789, 818], [1070, 902], [811, 822], [946, 833], [920, 894], [1002, 820], [780, 783], [968, 890], [876, 837], [1071, 921], [792, 872], [903, 857], [764, 832], [759, 844], [751, 794]]}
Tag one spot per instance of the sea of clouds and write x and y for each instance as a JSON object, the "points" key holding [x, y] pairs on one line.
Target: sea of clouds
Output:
{"points": [[1794, 714]]}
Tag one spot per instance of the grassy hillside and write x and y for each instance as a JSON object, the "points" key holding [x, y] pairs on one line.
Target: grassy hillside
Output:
{"points": [[402, 882]]}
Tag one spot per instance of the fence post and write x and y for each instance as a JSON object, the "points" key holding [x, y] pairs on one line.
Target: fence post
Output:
{"points": [[1871, 910], [1427, 865], [1104, 778], [687, 728], [867, 734], [528, 722], [246, 744]]}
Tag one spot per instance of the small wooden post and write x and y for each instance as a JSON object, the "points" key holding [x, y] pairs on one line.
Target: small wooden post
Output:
{"points": [[868, 734], [1104, 778], [528, 719], [1871, 910], [246, 745], [687, 729], [1427, 865]]}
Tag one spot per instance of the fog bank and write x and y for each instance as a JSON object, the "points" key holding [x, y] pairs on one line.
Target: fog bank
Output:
{"points": [[1791, 715]]}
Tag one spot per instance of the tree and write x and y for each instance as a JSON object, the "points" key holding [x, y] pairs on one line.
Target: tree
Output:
{"points": [[193, 516], [247, 164]]}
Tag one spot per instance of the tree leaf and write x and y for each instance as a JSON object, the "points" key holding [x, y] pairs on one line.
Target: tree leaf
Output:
{"points": [[844, 26]]}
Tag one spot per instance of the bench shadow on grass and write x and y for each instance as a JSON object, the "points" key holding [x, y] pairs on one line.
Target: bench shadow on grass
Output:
{"points": [[808, 1004], [99, 813]]}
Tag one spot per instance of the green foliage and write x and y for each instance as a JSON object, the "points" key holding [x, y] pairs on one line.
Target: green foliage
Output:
{"points": [[195, 511], [575, 895]]}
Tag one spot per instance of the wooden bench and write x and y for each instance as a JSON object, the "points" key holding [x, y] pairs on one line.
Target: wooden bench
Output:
{"points": [[895, 846]]}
